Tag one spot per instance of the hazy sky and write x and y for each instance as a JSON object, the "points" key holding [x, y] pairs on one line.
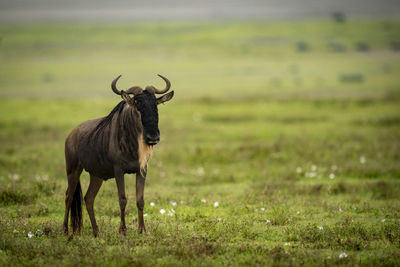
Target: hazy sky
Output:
{"points": [[140, 10]]}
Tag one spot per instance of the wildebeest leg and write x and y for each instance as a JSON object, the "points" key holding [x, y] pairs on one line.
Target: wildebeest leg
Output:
{"points": [[140, 182], [73, 179], [119, 178], [94, 186]]}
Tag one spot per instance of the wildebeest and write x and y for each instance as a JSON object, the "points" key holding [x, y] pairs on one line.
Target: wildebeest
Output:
{"points": [[111, 146]]}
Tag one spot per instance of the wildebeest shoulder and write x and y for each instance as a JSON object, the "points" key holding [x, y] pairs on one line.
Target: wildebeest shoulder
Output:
{"points": [[108, 141]]}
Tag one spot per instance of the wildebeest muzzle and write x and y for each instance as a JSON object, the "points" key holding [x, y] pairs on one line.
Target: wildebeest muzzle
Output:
{"points": [[152, 139]]}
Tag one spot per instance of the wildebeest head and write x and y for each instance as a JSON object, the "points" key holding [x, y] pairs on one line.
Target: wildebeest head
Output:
{"points": [[145, 102]]}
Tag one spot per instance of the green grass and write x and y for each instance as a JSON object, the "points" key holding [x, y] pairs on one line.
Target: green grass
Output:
{"points": [[305, 165]]}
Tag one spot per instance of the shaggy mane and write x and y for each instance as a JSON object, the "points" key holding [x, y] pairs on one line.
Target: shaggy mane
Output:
{"points": [[106, 121]]}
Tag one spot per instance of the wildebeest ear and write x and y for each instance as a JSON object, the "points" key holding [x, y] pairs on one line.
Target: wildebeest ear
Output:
{"points": [[165, 98], [126, 97]]}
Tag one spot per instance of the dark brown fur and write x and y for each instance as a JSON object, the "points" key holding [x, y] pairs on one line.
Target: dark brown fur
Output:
{"points": [[110, 141]]}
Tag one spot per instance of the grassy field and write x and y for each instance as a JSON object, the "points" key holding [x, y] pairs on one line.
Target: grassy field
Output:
{"points": [[280, 147]]}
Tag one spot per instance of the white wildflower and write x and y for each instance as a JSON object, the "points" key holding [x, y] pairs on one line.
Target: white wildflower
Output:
{"points": [[162, 211], [39, 177], [173, 211], [362, 159], [219, 219], [320, 227], [383, 220], [14, 176], [203, 200], [145, 215], [15, 231], [313, 168], [267, 221], [173, 203], [340, 210], [200, 171], [170, 213], [262, 209], [331, 176], [152, 204], [342, 255], [30, 235], [216, 204], [286, 244]]}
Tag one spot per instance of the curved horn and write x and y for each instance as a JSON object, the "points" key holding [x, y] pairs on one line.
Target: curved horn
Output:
{"points": [[157, 91], [114, 85], [135, 90]]}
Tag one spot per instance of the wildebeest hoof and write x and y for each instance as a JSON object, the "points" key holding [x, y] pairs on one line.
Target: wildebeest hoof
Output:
{"points": [[65, 231], [141, 229], [122, 231]]}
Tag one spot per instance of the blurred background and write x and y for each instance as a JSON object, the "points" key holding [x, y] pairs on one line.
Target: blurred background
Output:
{"points": [[153, 10], [286, 114], [275, 48]]}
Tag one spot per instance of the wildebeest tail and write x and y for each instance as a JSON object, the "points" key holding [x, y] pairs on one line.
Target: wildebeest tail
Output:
{"points": [[76, 209]]}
